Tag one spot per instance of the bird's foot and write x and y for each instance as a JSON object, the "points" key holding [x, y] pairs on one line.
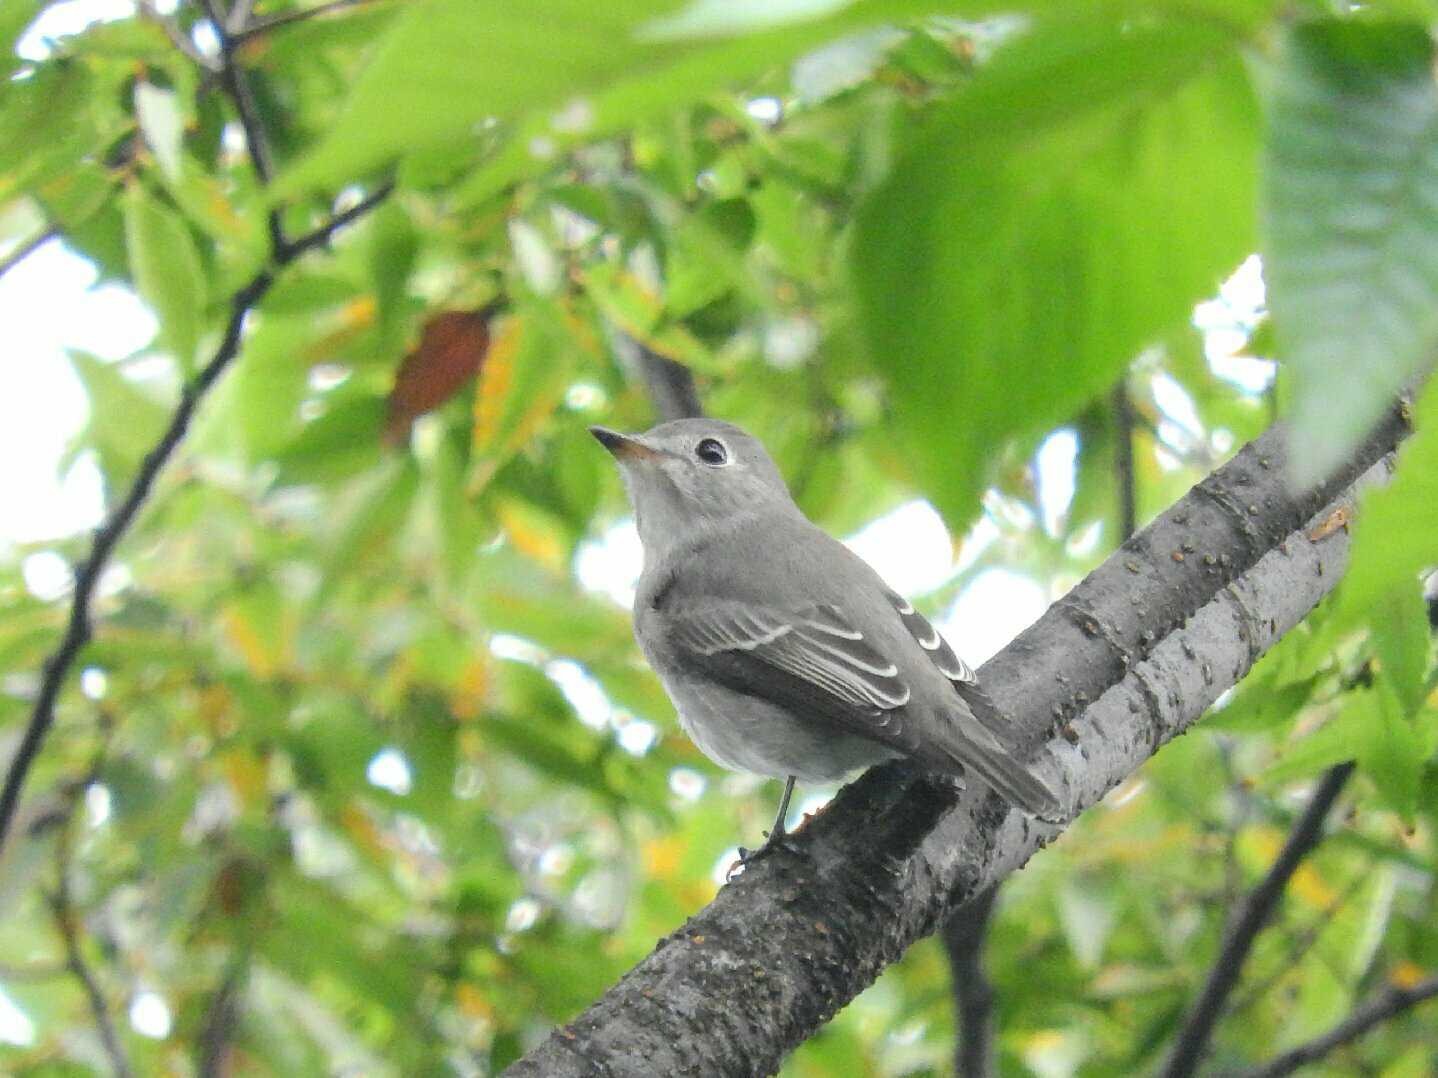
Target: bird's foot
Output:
{"points": [[773, 840]]}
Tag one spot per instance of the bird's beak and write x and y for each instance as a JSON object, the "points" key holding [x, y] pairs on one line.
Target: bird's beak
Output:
{"points": [[625, 447]]}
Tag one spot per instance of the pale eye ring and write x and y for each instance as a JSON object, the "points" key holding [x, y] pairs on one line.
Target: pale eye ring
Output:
{"points": [[712, 452]]}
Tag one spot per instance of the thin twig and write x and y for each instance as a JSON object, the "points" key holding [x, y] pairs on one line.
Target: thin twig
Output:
{"points": [[26, 249], [322, 235], [1123, 461], [1389, 1003], [178, 38], [238, 84], [1192, 1041], [1301, 944], [217, 1032], [964, 934], [78, 627], [239, 17], [67, 925], [264, 26]]}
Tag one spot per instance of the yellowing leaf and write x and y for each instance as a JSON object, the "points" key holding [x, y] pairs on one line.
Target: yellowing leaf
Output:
{"points": [[662, 857], [467, 698], [534, 533], [522, 381], [246, 775]]}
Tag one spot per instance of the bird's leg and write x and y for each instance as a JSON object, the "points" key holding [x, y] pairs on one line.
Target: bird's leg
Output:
{"points": [[774, 837]]}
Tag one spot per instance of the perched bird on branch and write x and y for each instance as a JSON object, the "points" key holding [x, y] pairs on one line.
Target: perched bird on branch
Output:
{"points": [[784, 652]]}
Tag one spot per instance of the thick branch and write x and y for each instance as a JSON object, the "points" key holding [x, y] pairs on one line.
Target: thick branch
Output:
{"points": [[964, 934], [1192, 1040], [107, 537], [1129, 659], [1388, 1004]]}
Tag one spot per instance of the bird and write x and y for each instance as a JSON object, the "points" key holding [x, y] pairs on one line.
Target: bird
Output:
{"points": [[785, 653]]}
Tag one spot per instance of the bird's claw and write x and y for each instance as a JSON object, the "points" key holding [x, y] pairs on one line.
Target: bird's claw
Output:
{"points": [[748, 857]]}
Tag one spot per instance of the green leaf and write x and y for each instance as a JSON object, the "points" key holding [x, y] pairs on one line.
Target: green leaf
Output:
{"points": [[163, 125], [1389, 747], [167, 272], [343, 441], [1401, 640], [1396, 531], [374, 524], [1351, 252], [15, 17], [1261, 704], [1073, 203], [447, 65], [124, 418], [46, 124]]}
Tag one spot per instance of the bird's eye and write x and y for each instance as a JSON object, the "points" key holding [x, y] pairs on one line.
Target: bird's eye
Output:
{"points": [[712, 452]]}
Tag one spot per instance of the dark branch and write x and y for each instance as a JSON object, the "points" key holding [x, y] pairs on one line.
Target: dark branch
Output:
{"points": [[238, 84], [67, 926], [1300, 945], [78, 627], [217, 1034], [282, 253], [1129, 659], [1387, 1004], [1123, 462], [264, 26], [1192, 1041], [322, 235], [178, 37], [964, 934]]}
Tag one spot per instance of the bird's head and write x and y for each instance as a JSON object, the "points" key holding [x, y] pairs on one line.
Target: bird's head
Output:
{"points": [[693, 474]]}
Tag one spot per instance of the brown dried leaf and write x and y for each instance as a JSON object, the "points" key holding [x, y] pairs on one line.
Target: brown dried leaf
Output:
{"points": [[451, 349]]}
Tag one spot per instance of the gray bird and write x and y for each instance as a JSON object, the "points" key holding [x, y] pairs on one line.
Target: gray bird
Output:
{"points": [[784, 652]]}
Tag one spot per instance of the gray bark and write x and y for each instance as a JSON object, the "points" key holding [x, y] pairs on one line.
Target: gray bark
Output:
{"points": [[1126, 661]]}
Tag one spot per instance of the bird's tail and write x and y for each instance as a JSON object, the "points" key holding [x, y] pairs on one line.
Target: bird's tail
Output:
{"points": [[1011, 780]]}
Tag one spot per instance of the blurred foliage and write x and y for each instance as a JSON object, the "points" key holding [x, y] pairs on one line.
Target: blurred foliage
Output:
{"points": [[363, 772]]}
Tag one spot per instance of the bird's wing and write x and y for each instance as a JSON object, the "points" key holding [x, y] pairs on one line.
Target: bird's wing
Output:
{"points": [[816, 663], [745, 644], [960, 674], [928, 638]]}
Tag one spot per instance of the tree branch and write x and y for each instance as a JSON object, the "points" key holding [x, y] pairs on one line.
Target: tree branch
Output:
{"points": [[1300, 945], [1192, 1040], [1128, 660], [107, 537], [217, 1033], [67, 925], [964, 934], [264, 26], [243, 96], [1387, 1004], [1123, 461], [177, 36]]}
